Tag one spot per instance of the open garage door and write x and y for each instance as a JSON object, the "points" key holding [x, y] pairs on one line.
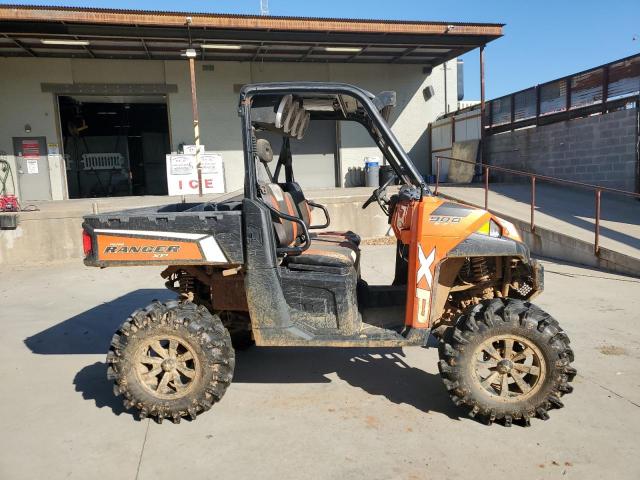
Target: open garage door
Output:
{"points": [[115, 145]]}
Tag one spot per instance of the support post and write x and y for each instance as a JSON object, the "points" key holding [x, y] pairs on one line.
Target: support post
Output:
{"points": [[597, 239], [196, 121], [568, 96], [533, 203], [605, 88], [446, 97], [482, 106], [486, 188]]}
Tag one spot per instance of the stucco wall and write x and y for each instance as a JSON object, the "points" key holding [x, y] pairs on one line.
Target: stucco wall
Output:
{"points": [[23, 102]]}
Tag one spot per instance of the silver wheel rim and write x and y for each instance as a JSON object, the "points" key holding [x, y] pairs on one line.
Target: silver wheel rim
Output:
{"points": [[167, 366], [509, 368]]}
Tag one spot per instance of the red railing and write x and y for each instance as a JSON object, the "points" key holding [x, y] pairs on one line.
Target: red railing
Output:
{"points": [[486, 169]]}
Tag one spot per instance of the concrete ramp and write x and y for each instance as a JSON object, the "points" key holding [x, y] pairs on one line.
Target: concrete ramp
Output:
{"points": [[565, 221]]}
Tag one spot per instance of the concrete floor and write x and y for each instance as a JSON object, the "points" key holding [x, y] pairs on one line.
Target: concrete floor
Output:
{"points": [[303, 413]]}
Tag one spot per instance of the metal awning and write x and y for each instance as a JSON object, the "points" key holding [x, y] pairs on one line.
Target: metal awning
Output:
{"points": [[65, 32]]}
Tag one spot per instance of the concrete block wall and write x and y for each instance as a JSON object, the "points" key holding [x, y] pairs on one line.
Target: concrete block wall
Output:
{"points": [[600, 150]]}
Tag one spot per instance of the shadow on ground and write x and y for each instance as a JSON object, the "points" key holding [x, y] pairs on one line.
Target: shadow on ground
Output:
{"points": [[91, 331], [380, 372], [377, 371]]}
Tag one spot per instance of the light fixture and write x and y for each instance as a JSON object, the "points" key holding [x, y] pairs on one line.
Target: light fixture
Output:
{"points": [[220, 46], [190, 53], [49, 41], [27, 128], [343, 49]]}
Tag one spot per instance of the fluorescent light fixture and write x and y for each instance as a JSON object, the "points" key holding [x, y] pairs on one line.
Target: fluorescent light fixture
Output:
{"points": [[343, 49], [49, 41], [220, 46], [190, 53]]}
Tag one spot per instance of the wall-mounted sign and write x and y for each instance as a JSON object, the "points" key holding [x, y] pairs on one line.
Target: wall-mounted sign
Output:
{"points": [[53, 149], [32, 165], [182, 174], [30, 148]]}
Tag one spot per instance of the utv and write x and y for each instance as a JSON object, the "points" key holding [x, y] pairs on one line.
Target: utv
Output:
{"points": [[256, 268]]}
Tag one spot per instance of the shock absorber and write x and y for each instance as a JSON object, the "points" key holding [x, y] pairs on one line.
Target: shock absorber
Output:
{"points": [[480, 269], [187, 285]]}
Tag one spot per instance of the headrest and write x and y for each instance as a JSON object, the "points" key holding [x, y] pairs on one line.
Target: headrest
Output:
{"points": [[264, 150]]}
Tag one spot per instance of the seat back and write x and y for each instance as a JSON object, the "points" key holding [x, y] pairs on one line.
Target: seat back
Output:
{"points": [[299, 200], [287, 232]]}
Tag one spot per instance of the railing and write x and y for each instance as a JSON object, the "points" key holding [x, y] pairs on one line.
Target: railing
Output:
{"points": [[596, 90], [534, 177]]}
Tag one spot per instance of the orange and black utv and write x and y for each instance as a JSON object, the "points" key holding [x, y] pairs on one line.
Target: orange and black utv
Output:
{"points": [[255, 269]]}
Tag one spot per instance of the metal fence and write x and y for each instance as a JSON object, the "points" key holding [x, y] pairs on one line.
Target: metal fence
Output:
{"points": [[598, 89], [486, 169]]}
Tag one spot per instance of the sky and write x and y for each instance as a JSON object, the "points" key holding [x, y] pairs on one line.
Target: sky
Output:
{"points": [[542, 39]]}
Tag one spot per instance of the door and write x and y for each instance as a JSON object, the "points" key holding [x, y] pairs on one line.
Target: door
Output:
{"points": [[33, 168], [314, 157]]}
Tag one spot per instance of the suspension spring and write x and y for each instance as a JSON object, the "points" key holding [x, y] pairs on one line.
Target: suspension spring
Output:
{"points": [[480, 269], [187, 284]]}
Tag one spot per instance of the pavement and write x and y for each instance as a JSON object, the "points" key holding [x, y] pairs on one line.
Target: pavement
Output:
{"points": [[562, 209], [303, 412]]}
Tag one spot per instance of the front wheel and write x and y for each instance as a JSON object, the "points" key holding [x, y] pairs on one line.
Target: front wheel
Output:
{"points": [[171, 360], [506, 360]]}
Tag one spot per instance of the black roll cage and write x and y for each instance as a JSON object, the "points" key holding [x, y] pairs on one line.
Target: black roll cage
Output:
{"points": [[372, 120]]}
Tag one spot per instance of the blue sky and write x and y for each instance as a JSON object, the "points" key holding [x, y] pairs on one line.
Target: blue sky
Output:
{"points": [[543, 39]]}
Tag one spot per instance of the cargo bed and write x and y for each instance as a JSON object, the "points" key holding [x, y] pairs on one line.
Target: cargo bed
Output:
{"points": [[207, 233]]}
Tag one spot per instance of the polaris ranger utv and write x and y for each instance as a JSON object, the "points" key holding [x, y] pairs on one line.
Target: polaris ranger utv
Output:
{"points": [[257, 268]]}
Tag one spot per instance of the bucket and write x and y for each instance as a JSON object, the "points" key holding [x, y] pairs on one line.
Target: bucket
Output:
{"points": [[372, 172]]}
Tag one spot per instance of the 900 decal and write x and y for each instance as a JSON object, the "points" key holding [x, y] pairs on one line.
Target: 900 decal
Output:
{"points": [[446, 219]]}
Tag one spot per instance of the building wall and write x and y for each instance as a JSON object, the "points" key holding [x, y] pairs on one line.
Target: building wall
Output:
{"points": [[23, 102], [600, 149]]}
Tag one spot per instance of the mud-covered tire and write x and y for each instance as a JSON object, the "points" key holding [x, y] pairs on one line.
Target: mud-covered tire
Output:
{"points": [[465, 347], [189, 336]]}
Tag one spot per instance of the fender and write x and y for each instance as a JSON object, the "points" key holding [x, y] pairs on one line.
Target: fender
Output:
{"points": [[478, 245]]}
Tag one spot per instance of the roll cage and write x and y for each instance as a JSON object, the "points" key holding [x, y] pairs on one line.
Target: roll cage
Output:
{"points": [[371, 113]]}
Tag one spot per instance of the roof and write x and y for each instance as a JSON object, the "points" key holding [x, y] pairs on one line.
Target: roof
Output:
{"points": [[37, 31]]}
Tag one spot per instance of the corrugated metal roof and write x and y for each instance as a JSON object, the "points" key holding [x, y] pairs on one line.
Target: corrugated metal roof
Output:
{"points": [[81, 14], [138, 34]]}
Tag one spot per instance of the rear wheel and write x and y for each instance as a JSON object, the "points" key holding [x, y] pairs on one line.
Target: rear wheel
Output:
{"points": [[506, 360], [171, 360]]}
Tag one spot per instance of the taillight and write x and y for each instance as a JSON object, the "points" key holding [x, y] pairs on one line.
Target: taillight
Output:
{"points": [[86, 243]]}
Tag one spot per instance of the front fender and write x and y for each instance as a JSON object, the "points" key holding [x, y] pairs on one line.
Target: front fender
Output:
{"points": [[478, 245]]}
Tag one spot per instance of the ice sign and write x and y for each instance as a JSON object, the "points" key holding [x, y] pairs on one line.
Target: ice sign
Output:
{"points": [[181, 164], [211, 163]]}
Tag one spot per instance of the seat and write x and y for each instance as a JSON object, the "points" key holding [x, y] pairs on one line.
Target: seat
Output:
{"points": [[304, 211], [324, 254], [330, 249]]}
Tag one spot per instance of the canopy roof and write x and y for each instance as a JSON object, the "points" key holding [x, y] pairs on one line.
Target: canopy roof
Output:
{"points": [[134, 34]]}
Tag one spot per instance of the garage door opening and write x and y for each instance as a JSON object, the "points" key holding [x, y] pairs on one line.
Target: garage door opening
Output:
{"points": [[115, 146]]}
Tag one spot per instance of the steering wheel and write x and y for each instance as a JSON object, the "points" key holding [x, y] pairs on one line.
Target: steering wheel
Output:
{"points": [[378, 196]]}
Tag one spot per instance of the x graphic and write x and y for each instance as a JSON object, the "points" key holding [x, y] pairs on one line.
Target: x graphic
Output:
{"points": [[424, 269]]}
